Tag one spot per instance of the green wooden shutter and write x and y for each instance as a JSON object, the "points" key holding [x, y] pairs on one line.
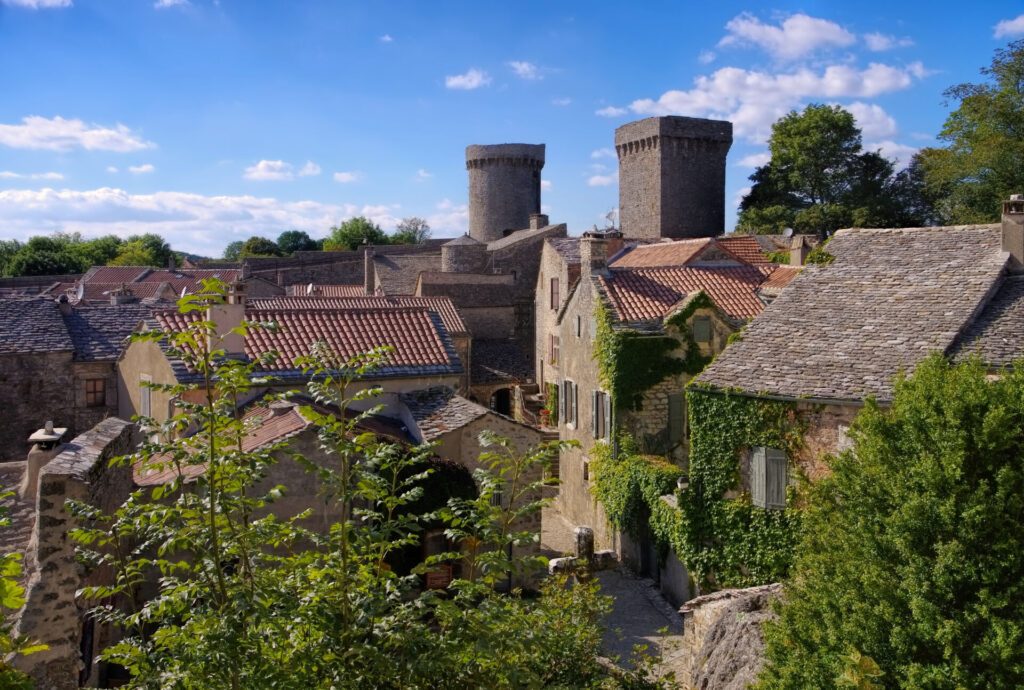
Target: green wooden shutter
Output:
{"points": [[607, 415], [595, 413], [757, 477], [676, 417], [775, 476]]}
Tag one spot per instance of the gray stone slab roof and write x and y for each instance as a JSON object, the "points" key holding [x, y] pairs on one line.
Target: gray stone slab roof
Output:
{"points": [[32, 325], [567, 247], [843, 331], [997, 335], [398, 274], [438, 411], [499, 361], [100, 333]]}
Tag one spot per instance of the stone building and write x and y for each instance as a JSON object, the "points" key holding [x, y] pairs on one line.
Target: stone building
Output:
{"points": [[504, 188]]}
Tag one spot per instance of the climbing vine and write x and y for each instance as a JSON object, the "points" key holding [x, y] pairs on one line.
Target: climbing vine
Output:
{"points": [[551, 403]]}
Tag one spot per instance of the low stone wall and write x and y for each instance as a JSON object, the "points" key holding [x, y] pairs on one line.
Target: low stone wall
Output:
{"points": [[723, 645], [52, 613]]}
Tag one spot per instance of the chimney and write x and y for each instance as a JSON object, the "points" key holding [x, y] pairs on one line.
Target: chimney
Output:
{"points": [[1013, 228], [369, 274], [46, 445], [538, 221], [64, 305], [798, 250], [172, 263], [228, 315], [122, 295], [593, 254]]}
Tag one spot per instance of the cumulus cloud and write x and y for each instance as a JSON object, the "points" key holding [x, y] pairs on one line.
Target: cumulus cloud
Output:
{"points": [[473, 79], [386, 38], [706, 57], [525, 70], [111, 168], [191, 222], [422, 175], [449, 219], [602, 180], [268, 170], [561, 102], [141, 169], [603, 153], [346, 177], [753, 100], [611, 111], [60, 134], [545, 185], [755, 160], [797, 36], [8, 175], [164, 4], [1009, 27], [900, 153], [873, 121], [36, 4], [878, 42]]}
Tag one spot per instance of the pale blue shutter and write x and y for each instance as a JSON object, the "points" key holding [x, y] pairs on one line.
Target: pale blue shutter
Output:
{"points": [[775, 479], [676, 417], [757, 477], [607, 400], [595, 413], [561, 402]]}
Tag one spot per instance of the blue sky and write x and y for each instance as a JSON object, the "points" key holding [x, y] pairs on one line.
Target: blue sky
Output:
{"points": [[213, 120]]}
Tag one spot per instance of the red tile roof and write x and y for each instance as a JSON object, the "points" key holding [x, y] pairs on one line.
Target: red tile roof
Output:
{"points": [[442, 305], [191, 279], [661, 254], [746, 248], [115, 274], [303, 290], [649, 294], [780, 277]]}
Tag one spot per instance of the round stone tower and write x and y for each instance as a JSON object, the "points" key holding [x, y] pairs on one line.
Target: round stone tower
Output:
{"points": [[504, 188], [463, 255]]}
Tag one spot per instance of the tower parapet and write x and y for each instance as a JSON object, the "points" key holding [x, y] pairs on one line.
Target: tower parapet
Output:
{"points": [[672, 177], [504, 188]]}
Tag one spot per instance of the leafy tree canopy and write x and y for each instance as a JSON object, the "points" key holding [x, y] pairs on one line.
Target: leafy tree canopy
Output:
{"points": [[353, 233], [291, 241], [411, 230], [233, 251], [259, 246], [910, 572]]}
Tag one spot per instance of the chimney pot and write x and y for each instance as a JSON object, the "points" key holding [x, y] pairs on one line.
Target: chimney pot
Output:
{"points": [[538, 221], [1013, 228]]}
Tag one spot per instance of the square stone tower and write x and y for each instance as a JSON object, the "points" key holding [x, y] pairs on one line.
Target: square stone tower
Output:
{"points": [[672, 177]]}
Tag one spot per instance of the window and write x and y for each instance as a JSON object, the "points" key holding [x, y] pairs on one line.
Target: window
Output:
{"points": [[579, 326], [601, 415], [676, 417], [569, 402], [553, 346], [586, 470], [768, 478], [555, 301], [144, 395], [95, 392], [702, 329]]}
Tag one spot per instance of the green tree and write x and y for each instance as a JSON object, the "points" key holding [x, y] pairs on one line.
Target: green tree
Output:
{"points": [[353, 233], [233, 250], [259, 246], [97, 252], [910, 571], [8, 248], [42, 256], [291, 241], [981, 164], [411, 230], [143, 250]]}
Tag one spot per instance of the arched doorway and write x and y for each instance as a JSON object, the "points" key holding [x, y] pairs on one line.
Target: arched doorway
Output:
{"points": [[501, 401]]}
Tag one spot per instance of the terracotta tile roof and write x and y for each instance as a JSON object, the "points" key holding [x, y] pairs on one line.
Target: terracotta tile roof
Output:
{"points": [[442, 305], [100, 292], [661, 254], [649, 294], [780, 277], [190, 279], [500, 361], [438, 411], [115, 274], [422, 345], [842, 331], [100, 333], [319, 290], [746, 248], [32, 325], [397, 275], [997, 334]]}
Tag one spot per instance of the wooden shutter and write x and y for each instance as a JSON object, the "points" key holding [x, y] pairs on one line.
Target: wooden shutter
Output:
{"points": [[595, 413], [145, 410], [575, 404], [607, 415], [775, 479], [757, 477], [676, 417], [561, 402], [554, 293]]}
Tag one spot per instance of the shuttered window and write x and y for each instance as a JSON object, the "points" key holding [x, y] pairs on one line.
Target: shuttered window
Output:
{"points": [[768, 478], [702, 329], [601, 414], [554, 293], [561, 402], [676, 417], [554, 345], [145, 408], [570, 394]]}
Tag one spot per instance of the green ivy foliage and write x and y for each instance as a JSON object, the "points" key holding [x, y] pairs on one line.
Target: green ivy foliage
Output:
{"points": [[730, 542]]}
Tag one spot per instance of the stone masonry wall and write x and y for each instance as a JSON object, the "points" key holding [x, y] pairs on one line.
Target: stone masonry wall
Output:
{"points": [[52, 613], [504, 187], [33, 388]]}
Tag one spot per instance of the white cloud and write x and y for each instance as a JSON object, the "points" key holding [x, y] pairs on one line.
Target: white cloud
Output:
{"points": [[346, 177], [561, 102], [901, 153], [60, 134], [738, 197], [111, 168], [386, 38], [545, 185], [879, 42], [525, 70], [422, 174], [449, 219], [798, 35], [706, 57], [473, 79], [8, 175], [603, 153], [191, 222], [164, 4], [598, 167], [36, 4], [873, 121], [755, 160], [611, 111], [754, 100], [602, 180], [141, 169], [1009, 27], [309, 169]]}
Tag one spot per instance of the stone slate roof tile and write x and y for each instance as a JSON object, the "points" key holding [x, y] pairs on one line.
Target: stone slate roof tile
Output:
{"points": [[438, 411], [397, 275], [32, 326], [442, 305], [842, 331], [567, 247], [115, 274], [100, 333], [997, 334], [500, 361]]}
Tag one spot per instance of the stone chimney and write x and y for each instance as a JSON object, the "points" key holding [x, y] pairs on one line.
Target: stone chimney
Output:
{"points": [[122, 295], [369, 271], [1013, 228], [228, 315], [172, 262], [46, 444], [64, 305], [593, 254], [798, 250], [538, 221]]}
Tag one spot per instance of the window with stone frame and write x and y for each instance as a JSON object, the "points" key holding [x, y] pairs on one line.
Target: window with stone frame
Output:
{"points": [[701, 326], [676, 417], [768, 478], [555, 300], [95, 392], [554, 343], [601, 415], [569, 403]]}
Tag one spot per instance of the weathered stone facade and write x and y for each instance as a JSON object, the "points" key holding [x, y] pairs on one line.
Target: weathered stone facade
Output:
{"points": [[672, 177], [504, 188], [34, 388]]}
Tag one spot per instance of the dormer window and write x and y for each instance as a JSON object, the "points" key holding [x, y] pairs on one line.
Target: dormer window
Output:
{"points": [[702, 329]]}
